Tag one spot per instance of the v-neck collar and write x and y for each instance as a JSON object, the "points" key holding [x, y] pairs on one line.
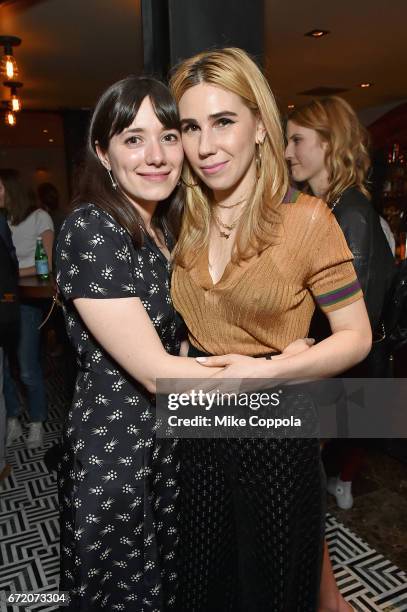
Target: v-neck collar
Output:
{"points": [[231, 274], [204, 277]]}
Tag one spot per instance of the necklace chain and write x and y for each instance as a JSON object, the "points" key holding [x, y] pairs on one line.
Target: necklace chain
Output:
{"points": [[232, 205], [224, 226]]}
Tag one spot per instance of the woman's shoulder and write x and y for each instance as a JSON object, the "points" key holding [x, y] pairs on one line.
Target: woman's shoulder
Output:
{"points": [[40, 214], [34, 215], [37, 221], [354, 204], [89, 216], [302, 208]]}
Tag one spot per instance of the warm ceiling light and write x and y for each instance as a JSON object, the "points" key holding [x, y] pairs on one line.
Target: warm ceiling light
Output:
{"points": [[317, 33], [8, 65], [15, 104], [291, 106], [365, 85], [50, 140], [15, 101], [10, 118], [45, 131]]}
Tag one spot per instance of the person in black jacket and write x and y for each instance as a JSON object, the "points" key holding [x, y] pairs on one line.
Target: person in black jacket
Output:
{"points": [[327, 150], [8, 277]]}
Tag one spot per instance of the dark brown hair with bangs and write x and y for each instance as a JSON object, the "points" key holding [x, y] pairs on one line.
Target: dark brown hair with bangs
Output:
{"points": [[114, 112]]}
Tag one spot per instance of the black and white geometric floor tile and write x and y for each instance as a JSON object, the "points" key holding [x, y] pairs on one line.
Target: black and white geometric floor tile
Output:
{"points": [[367, 580], [29, 532]]}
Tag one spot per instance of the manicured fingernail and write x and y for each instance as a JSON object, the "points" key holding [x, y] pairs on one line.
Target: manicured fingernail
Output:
{"points": [[201, 359]]}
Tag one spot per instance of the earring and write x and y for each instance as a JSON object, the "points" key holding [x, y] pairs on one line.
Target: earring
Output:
{"points": [[114, 184], [258, 159]]}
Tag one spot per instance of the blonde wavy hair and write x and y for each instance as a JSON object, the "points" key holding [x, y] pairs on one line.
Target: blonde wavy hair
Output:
{"points": [[233, 70], [347, 157]]}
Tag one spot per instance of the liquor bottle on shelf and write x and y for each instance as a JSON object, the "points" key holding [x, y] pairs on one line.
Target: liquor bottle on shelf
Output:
{"points": [[395, 183], [41, 261], [402, 237]]}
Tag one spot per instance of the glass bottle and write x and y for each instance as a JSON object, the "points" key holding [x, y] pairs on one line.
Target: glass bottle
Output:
{"points": [[41, 260]]}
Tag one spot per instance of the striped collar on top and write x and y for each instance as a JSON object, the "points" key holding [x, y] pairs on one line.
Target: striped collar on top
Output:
{"points": [[291, 196]]}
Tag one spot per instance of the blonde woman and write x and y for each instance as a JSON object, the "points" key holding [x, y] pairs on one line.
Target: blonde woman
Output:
{"points": [[252, 257]]}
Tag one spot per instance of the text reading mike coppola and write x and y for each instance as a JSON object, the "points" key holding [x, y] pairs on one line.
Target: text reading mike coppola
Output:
{"points": [[217, 400], [205, 410], [330, 408]]}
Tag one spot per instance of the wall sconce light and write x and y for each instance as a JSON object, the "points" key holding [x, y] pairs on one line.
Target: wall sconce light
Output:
{"points": [[8, 65], [10, 118], [15, 101]]}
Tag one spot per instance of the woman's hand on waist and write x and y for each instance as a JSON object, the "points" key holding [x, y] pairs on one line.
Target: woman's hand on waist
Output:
{"points": [[237, 366], [242, 366]]}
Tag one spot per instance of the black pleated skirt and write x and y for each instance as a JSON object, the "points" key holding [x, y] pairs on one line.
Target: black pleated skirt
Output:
{"points": [[251, 525]]}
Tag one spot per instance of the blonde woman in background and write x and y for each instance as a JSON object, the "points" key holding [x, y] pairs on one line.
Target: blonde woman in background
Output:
{"points": [[327, 150], [252, 257]]}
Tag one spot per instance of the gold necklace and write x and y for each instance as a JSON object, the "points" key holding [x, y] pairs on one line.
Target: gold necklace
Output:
{"points": [[232, 205], [219, 224]]}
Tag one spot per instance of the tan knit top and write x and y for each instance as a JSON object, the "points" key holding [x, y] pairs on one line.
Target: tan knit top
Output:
{"points": [[263, 304]]}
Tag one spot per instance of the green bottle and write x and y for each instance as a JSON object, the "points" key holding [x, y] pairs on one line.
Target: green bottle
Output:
{"points": [[41, 261]]}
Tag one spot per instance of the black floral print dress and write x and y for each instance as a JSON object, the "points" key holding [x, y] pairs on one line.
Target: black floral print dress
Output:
{"points": [[117, 482]]}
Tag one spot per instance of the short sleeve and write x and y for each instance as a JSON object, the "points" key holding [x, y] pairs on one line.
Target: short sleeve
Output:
{"points": [[43, 222], [332, 278], [94, 257]]}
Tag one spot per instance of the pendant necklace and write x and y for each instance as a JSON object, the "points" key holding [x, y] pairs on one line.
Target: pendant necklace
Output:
{"points": [[219, 224]]}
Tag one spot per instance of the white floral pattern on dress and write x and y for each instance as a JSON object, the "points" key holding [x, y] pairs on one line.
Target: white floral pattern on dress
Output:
{"points": [[117, 482]]}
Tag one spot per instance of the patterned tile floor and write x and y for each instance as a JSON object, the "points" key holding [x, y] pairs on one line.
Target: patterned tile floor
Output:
{"points": [[29, 533]]}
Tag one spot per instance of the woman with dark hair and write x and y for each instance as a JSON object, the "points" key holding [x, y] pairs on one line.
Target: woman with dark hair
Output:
{"points": [[117, 486], [252, 259], [27, 223]]}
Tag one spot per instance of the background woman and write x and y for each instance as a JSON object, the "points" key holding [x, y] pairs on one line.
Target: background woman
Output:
{"points": [[249, 260], [327, 149], [27, 223]]}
